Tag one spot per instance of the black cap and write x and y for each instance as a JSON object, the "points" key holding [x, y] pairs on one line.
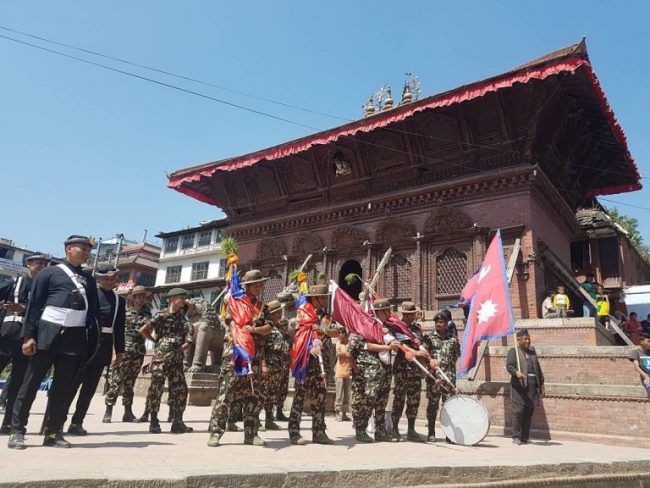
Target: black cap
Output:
{"points": [[76, 239], [105, 270], [37, 256], [440, 316], [523, 333]]}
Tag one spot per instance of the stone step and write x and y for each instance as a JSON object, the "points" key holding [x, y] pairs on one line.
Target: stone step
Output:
{"points": [[559, 332], [609, 410], [597, 365]]}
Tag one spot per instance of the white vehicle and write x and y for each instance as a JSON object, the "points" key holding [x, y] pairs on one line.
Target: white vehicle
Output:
{"points": [[637, 299]]}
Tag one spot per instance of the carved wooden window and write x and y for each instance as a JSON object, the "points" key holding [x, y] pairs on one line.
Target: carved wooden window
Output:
{"points": [[398, 278], [451, 272], [273, 286]]}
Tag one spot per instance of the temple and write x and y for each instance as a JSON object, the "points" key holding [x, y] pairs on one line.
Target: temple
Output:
{"points": [[434, 179]]}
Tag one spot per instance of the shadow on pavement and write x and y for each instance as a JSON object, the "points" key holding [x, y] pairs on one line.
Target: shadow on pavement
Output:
{"points": [[120, 444]]}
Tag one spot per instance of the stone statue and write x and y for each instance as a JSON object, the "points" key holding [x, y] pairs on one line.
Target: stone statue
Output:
{"points": [[208, 337]]}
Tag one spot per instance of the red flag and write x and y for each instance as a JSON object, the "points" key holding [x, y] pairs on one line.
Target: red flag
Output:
{"points": [[490, 314], [348, 312]]}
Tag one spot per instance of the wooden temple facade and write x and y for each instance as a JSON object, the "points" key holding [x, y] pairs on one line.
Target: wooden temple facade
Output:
{"points": [[434, 179]]}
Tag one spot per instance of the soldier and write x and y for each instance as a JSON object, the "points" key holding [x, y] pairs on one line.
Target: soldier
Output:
{"points": [[276, 354], [408, 377], [60, 318], [122, 376], [443, 348], [172, 338], [111, 318], [371, 378], [283, 392], [526, 386], [15, 295], [248, 388], [312, 315]]}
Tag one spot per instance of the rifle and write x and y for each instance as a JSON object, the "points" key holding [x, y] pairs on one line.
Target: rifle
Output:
{"points": [[373, 282]]}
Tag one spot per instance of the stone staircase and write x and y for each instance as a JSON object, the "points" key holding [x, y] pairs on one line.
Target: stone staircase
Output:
{"points": [[592, 390]]}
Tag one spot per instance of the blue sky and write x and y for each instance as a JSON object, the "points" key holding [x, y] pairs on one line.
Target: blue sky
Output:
{"points": [[85, 150]]}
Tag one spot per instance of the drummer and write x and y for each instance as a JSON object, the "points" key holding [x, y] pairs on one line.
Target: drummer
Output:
{"points": [[442, 344]]}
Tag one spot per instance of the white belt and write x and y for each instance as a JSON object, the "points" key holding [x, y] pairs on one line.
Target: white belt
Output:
{"points": [[65, 317], [13, 318], [107, 330]]}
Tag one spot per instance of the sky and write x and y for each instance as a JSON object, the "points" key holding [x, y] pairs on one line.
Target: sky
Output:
{"points": [[84, 150]]}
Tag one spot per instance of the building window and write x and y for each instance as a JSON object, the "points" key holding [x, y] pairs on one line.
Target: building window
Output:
{"points": [[188, 241], [171, 244], [222, 268], [173, 274], [204, 238], [123, 277], [6, 253], [145, 279], [200, 271], [451, 272], [218, 235]]}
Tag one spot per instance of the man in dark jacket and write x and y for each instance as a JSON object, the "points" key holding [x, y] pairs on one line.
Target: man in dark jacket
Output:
{"points": [[526, 386]]}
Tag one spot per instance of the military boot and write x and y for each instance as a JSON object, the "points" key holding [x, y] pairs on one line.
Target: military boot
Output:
{"points": [[233, 427], [362, 436], [128, 415], [383, 437], [268, 421], [214, 439], [280, 416], [145, 416], [297, 440], [77, 429], [320, 437], [412, 435], [178, 426], [16, 441], [154, 425], [108, 414], [396, 436], [56, 440], [254, 440]]}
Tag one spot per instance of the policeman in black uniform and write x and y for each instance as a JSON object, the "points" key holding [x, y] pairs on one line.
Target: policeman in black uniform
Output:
{"points": [[112, 317], [15, 295], [60, 330]]}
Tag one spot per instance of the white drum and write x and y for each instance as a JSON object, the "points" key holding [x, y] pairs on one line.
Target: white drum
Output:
{"points": [[464, 420]]}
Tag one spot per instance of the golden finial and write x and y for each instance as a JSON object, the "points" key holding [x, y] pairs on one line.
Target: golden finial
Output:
{"points": [[388, 102], [369, 108], [407, 97]]}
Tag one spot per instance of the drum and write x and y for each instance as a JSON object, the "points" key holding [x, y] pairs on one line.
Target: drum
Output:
{"points": [[464, 420]]}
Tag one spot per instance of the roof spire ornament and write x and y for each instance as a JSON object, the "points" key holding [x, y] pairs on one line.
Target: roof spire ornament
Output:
{"points": [[407, 97], [369, 108], [388, 101]]}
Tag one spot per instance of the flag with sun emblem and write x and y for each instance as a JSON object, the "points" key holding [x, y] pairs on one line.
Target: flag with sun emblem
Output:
{"points": [[490, 314]]}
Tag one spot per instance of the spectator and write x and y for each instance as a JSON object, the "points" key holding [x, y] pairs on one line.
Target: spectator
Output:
{"points": [[561, 302], [602, 304], [590, 286], [633, 329], [548, 310], [342, 377], [451, 325], [640, 357], [645, 324]]}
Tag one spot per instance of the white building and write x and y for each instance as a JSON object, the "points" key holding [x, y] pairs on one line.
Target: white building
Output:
{"points": [[12, 259], [191, 259]]}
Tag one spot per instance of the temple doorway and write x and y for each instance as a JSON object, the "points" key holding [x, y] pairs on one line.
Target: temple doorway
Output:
{"points": [[351, 266]]}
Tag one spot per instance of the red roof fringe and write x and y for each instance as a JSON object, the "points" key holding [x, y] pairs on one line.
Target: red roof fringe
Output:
{"points": [[458, 95]]}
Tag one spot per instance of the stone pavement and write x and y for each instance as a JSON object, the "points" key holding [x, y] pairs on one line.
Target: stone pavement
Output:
{"points": [[126, 455]]}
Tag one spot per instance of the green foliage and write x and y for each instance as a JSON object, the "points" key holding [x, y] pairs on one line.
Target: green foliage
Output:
{"points": [[352, 278], [294, 275], [228, 246], [631, 226], [321, 279]]}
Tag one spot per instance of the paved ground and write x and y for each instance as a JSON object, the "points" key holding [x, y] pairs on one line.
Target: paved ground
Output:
{"points": [[120, 454]]}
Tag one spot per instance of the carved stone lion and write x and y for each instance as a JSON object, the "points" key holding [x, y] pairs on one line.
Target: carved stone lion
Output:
{"points": [[208, 338]]}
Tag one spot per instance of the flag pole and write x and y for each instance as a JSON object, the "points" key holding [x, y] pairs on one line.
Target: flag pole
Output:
{"points": [[514, 335]]}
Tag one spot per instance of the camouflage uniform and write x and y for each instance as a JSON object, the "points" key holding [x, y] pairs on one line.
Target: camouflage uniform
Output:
{"points": [[408, 380], [172, 330], [315, 388], [235, 389], [370, 386], [122, 377], [445, 351], [277, 352], [285, 374]]}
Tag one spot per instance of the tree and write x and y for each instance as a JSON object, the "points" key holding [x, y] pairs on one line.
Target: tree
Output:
{"points": [[631, 226]]}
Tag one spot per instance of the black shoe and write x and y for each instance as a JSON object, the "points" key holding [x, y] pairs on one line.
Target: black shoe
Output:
{"points": [[5, 429], [516, 440], [128, 415], [431, 436], [362, 436], [108, 414], [320, 437], [145, 417], [179, 427], [154, 426], [16, 441], [281, 417], [76, 429], [56, 440]]}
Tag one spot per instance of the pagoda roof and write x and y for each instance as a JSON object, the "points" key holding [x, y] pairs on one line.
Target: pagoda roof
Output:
{"points": [[570, 59]]}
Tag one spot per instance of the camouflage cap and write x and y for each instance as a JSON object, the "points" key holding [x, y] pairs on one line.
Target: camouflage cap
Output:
{"points": [[176, 292], [274, 306]]}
